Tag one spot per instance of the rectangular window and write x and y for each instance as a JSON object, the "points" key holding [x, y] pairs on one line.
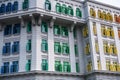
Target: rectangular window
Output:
{"points": [[65, 48], [57, 47], [44, 27], [6, 49], [8, 30], [66, 67], [44, 45], [58, 66], [64, 31], [29, 46], [16, 29], [15, 47], [5, 68], [14, 66], [44, 64], [56, 30], [29, 27], [28, 65]]}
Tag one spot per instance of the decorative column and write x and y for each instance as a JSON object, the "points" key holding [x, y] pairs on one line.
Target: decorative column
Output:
{"points": [[36, 47], [23, 42], [80, 50], [100, 44], [72, 51], [92, 46], [51, 60], [1, 43], [117, 41]]}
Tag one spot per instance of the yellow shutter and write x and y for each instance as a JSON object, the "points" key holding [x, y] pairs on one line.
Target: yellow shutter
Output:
{"points": [[107, 17], [107, 49], [104, 45], [107, 65], [91, 12], [88, 45], [108, 32], [99, 65], [111, 18], [96, 47], [111, 67], [115, 50], [94, 13], [111, 49], [112, 33], [84, 32], [102, 15], [89, 66], [114, 66], [94, 30], [102, 31], [99, 14], [118, 67]]}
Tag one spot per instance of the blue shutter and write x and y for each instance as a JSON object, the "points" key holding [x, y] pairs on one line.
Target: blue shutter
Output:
{"points": [[2, 69], [13, 48], [4, 49], [11, 68]]}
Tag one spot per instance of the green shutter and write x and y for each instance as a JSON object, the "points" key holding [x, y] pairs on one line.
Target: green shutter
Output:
{"points": [[29, 27], [28, 46], [56, 30], [58, 8], [77, 67], [64, 31], [44, 27], [28, 65], [25, 4], [76, 49], [78, 12], [69, 68], [47, 5], [44, 45], [64, 9], [57, 47]]}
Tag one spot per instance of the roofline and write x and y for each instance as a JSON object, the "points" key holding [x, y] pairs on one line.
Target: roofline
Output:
{"points": [[103, 4]]}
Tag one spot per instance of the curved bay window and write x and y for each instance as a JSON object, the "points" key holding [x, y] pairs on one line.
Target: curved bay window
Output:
{"points": [[58, 8], [15, 6], [70, 11], [78, 12], [3, 8], [8, 7], [47, 5], [64, 9], [92, 12]]}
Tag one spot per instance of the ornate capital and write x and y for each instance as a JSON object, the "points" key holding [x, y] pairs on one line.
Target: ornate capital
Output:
{"points": [[72, 26], [22, 21], [52, 22]]}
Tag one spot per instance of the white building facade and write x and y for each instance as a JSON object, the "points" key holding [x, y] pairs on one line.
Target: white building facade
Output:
{"points": [[59, 40]]}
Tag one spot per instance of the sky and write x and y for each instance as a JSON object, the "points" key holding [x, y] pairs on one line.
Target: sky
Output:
{"points": [[111, 2]]}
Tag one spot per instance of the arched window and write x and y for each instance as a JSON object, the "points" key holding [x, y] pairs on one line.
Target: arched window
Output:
{"points": [[58, 8], [99, 14], [47, 5], [78, 12], [111, 17], [92, 12], [108, 16], [70, 11], [64, 9], [15, 6], [9, 7], [104, 15], [3, 8]]}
